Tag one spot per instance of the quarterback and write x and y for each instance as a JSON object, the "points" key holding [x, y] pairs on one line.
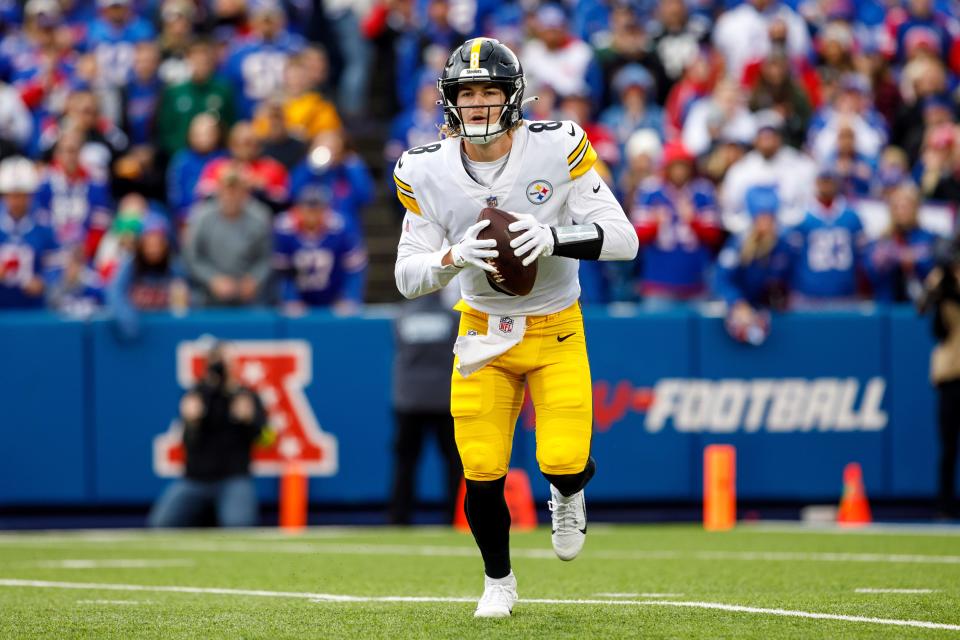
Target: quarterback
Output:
{"points": [[542, 173]]}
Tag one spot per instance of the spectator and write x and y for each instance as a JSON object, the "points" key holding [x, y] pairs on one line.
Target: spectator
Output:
{"points": [[723, 114], [698, 80], [28, 248], [271, 128], [899, 261], [851, 107], [557, 58], [770, 163], [204, 92], [229, 245], [753, 269], [676, 37], [921, 24], [416, 126], [121, 240], [634, 108], [853, 168], [627, 44], [306, 111], [78, 291], [176, 35], [642, 157], [357, 55], [112, 37], [221, 422], [424, 333], [923, 83], [103, 141], [827, 249], [937, 171], [893, 168], [16, 126], [183, 173], [255, 66], [776, 89], [546, 107], [148, 279], [872, 64], [678, 226], [320, 260], [727, 151], [80, 207], [332, 164], [267, 177], [836, 45], [141, 95], [742, 34]]}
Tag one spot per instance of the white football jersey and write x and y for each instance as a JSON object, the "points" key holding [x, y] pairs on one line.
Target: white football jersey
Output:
{"points": [[549, 174]]}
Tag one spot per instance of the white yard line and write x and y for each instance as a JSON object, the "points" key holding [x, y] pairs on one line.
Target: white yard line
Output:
{"points": [[905, 591], [328, 597], [114, 601], [638, 595], [546, 554], [113, 563], [879, 529]]}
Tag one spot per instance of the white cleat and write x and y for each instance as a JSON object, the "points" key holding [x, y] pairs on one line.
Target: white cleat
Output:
{"points": [[498, 598], [569, 516]]}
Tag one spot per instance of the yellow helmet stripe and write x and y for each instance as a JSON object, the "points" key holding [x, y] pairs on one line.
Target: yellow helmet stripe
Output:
{"points": [[475, 53]]}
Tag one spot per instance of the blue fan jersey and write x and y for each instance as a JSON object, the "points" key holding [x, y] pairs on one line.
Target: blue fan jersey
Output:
{"points": [[828, 247], [27, 249], [255, 70]]}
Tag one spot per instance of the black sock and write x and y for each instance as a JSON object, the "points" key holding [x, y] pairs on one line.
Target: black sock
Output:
{"points": [[569, 484], [489, 520]]}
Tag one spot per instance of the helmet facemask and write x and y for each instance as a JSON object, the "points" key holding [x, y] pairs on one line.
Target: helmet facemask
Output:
{"points": [[488, 131]]}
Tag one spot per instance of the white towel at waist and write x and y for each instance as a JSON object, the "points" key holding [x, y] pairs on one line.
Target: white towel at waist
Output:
{"points": [[474, 352]]}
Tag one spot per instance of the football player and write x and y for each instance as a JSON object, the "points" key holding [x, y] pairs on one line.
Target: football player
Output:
{"points": [[543, 173]]}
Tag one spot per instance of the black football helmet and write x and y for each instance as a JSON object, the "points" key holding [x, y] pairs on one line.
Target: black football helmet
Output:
{"points": [[482, 60]]}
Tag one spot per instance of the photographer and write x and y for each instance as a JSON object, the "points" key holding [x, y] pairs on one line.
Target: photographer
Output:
{"points": [[222, 420], [942, 295]]}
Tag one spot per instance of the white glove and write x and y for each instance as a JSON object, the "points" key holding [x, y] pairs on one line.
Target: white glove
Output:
{"points": [[470, 250], [537, 239]]}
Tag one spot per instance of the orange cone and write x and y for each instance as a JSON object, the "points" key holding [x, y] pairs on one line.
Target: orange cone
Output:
{"points": [[519, 497], [293, 499], [719, 487], [854, 508]]}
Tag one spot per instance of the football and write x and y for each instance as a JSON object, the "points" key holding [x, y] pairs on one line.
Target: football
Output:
{"points": [[511, 277]]}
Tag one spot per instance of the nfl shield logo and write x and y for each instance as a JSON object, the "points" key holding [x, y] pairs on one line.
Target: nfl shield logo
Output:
{"points": [[506, 324], [492, 201]]}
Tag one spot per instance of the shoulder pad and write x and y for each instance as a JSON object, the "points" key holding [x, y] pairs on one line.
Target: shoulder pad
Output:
{"points": [[405, 172]]}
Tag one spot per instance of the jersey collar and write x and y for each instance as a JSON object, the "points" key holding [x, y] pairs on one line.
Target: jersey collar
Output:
{"points": [[503, 185]]}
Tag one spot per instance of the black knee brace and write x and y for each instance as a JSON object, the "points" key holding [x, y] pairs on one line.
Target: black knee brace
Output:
{"points": [[569, 484]]}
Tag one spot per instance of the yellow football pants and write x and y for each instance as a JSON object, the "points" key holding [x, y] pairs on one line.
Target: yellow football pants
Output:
{"points": [[552, 359]]}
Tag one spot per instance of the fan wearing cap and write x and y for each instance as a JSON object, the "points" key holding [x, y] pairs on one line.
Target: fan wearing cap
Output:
{"points": [[678, 225], [771, 162], [112, 37], [754, 267], [827, 248], [922, 26], [320, 260], [255, 65], [268, 178], [635, 108], [29, 252], [555, 56]]}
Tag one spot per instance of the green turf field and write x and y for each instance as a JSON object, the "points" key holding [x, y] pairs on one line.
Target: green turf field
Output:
{"points": [[630, 581]]}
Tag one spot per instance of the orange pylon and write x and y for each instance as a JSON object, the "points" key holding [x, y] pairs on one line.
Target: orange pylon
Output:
{"points": [[854, 509], [293, 499], [519, 497], [719, 487]]}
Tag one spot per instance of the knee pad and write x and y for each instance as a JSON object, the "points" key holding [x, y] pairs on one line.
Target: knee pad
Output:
{"points": [[563, 455], [482, 461]]}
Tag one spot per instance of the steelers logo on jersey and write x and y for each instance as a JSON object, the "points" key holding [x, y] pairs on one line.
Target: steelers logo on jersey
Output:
{"points": [[539, 191]]}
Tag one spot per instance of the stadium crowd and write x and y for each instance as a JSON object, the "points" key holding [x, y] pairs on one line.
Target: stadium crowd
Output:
{"points": [[166, 154]]}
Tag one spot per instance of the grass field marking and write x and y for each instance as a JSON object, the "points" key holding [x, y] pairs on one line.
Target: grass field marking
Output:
{"points": [[328, 598], [113, 563], [547, 554], [638, 595], [905, 591], [935, 529], [114, 601]]}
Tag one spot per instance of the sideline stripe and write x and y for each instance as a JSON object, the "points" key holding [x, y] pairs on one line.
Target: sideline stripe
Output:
{"points": [[112, 564], [328, 597], [547, 554], [911, 591]]}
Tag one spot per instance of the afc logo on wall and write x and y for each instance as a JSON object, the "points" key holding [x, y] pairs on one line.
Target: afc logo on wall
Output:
{"points": [[279, 371]]}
